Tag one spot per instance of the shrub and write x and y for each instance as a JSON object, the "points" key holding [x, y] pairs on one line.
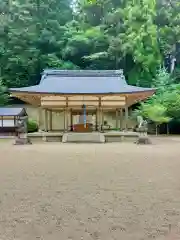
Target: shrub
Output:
{"points": [[32, 126]]}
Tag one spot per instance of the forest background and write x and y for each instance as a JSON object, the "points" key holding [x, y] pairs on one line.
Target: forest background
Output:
{"points": [[139, 36]]}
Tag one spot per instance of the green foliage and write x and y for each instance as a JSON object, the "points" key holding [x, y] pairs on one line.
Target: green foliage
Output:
{"points": [[87, 34], [163, 106], [162, 81], [139, 37], [32, 126], [171, 101], [31, 36], [156, 113]]}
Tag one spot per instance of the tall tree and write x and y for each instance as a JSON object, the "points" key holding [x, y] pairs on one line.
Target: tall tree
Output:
{"points": [[31, 39]]}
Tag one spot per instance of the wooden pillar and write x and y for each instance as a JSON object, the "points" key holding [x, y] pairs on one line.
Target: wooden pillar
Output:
{"points": [[50, 120], [121, 119], [96, 120], [99, 116], [64, 119], [99, 119], [46, 119], [67, 120], [40, 122], [126, 117], [102, 117], [71, 119], [117, 115], [102, 120]]}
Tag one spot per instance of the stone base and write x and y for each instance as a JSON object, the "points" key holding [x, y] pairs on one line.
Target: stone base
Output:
{"points": [[93, 137], [22, 141], [143, 140]]}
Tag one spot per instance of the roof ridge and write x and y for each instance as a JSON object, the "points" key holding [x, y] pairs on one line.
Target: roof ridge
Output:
{"points": [[89, 73]]}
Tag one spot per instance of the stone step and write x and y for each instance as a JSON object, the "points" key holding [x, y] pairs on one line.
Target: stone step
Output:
{"points": [[92, 137]]}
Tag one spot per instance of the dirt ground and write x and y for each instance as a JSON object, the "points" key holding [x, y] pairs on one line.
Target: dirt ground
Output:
{"points": [[113, 191]]}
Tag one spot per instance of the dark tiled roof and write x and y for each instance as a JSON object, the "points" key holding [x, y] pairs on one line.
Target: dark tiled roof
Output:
{"points": [[82, 82], [10, 111]]}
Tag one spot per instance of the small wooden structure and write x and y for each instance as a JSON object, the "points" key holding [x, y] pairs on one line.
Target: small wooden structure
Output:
{"points": [[84, 93], [8, 119]]}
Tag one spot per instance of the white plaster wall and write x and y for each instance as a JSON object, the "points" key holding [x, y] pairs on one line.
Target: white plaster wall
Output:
{"points": [[110, 117], [39, 116]]}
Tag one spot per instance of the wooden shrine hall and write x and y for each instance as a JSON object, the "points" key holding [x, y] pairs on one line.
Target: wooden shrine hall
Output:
{"points": [[88, 94]]}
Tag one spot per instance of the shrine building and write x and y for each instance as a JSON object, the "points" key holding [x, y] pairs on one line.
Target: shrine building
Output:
{"points": [[82, 100]]}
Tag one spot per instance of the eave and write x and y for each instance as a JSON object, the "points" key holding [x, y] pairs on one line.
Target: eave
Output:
{"points": [[34, 98]]}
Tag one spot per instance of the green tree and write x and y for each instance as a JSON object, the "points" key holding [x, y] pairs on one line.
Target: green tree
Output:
{"points": [[3, 95], [108, 34], [164, 105], [156, 113], [32, 35]]}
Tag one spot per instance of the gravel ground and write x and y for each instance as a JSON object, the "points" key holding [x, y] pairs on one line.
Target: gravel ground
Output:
{"points": [[115, 191]]}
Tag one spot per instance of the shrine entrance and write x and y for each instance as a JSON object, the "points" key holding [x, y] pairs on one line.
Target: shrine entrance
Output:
{"points": [[82, 121]]}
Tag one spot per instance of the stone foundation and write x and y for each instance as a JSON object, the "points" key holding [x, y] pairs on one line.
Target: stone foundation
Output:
{"points": [[108, 137], [94, 137]]}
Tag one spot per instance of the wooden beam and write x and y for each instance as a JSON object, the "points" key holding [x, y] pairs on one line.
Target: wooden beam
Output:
{"points": [[79, 107], [79, 100], [55, 104], [137, 97], [34, 100], [75, 100]]}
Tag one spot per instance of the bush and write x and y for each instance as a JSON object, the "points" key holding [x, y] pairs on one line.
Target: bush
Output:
{"points": [[32, 126]]}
